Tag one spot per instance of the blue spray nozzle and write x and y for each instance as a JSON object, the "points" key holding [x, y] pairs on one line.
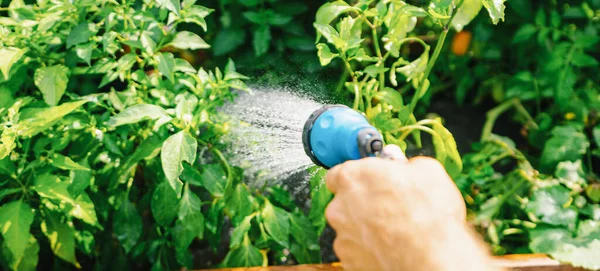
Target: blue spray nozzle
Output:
{"points": [[334, 134]]}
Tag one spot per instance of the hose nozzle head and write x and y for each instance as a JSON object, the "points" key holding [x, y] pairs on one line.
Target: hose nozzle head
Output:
{"points": [[334, 134]]}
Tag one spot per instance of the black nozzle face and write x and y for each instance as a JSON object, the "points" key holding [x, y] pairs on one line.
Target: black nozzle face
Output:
{"points": [[369, 142], [307, 129]]}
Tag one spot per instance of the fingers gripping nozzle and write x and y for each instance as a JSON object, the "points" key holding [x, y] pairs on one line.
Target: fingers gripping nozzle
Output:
{"points": [[334, 134]]}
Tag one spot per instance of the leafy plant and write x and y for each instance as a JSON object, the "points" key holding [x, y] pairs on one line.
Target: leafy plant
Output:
{"points": [[110, 152], [369, 40]]}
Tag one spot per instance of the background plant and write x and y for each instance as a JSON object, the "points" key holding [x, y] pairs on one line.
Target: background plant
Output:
{"points": [[110, 155]]}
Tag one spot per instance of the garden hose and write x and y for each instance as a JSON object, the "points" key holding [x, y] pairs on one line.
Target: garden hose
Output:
{"points": [[334, 134]]}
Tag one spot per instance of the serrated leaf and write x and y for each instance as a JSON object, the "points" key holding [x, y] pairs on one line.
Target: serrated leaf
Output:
{"points": [[166, 66], [325, 55], [15, 221], [61, 236], [214, 179], [277, 223], [188, 40], [164, 204], [10, 56], [176, 149], [66, 163], [52, 82], [127, 225], [137, 113], [80, 34], [495, 9]]}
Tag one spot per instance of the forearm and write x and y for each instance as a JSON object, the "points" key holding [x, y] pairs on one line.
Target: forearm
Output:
{"points": [[447, 247]]}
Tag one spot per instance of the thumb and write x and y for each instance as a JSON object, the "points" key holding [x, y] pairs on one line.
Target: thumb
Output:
{"points": [[393, 152]]}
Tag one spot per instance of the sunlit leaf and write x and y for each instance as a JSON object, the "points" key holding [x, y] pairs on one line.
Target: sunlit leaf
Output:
{"points": [[137, 113], [176, 149], [61, 235], [15, 221], [188, 40], [10, 56], [52, 82]]}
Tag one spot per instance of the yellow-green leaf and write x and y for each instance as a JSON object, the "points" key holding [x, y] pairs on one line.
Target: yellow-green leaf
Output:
{"points": [[52, 82], [15, 220], [61, 236]]}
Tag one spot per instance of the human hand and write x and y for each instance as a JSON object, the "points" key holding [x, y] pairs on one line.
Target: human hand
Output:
{"points": [[400, 215]]}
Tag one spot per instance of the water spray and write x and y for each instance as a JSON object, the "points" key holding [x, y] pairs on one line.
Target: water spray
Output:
{"points": [[334, 134]]}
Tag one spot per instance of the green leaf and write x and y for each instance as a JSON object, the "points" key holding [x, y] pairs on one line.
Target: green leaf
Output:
{"points": [[61, 236], [52, 82], [172, 5], [303, 232], [15, 221], [137, 113], [391, 97], [237, 236], [325, 55], [10, 56], [164, 204], [495, 8], [183, 66], [127, 225], [565, 144], [214, 179], [80, 34], [190, 221], [245, 255], [466, 13], [580, 59], [66, 163], [596, 134], [166, 65], [277, 223], [191, 175], [374, 70], [239, 203], [227, 40], [84, 52], [547, 204], [29, 260], [261, 40], [524, 33], [231, 73], [452, 162], [176, 149], [83, 209], [305, 256], [559, 243], [320, 197], [51, 187], [188, 40], [329, 11]]}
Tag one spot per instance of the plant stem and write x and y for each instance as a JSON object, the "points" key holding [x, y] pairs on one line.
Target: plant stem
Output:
{"points": [[436, 53], [342, 81], [378, 52], [409, 128], [492, 116], [356, 90], [226, 165]]}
